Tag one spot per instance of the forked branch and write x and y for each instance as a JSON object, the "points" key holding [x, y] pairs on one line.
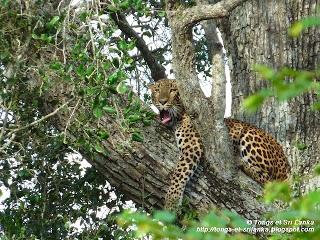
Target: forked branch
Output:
{"points": [[193, 15]]}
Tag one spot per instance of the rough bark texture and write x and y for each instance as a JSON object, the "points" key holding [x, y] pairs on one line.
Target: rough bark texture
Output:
{"points": [[257, 33]]}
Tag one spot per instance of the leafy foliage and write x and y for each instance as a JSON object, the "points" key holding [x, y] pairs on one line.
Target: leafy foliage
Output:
{"points": [[286, 83], [297, 28], [162, 225], [203, 61], [81, 62], [50, 191], [67, 63]]}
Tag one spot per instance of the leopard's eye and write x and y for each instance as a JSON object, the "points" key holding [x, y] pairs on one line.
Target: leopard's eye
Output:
{"points": [[173, 90]]}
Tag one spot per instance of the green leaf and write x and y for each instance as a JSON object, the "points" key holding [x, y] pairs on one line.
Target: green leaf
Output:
{"points": [[309, 201], [133, 118], [317, 169], [277, 191], [213, 220], [265, 71], [287, 215], [54, 22], [103, 135], [4, 3], [112, 8], [147, 122], [25, 173], [235, 219], [123, 45], [164, 216], [113, 78], [122, 87], [80, 70], [301, 146], [316, 106], [116, 62], [34, 36], [194, 233], [98, 148], [131, 45], [124, 4], [137, 137], [129, 60], [83, 16], [162, 13], [107, 65], [97, 111], [56, 66], [253, 102], [67, 225], [109, 109], [89, 70], [296, 29], [46, 38]]}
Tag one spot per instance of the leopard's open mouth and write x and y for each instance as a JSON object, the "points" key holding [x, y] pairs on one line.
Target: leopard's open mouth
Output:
{"points": [[165, 117]]}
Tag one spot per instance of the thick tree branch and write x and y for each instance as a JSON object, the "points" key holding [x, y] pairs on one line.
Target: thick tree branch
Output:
{"points": [[141, 171], [155, 51], [191, 16], [157, 70]]}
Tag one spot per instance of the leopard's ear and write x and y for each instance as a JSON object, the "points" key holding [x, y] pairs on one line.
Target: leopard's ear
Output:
{"points": [[151, 86]]}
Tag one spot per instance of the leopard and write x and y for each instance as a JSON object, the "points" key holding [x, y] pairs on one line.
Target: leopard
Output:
{"points": [[261, 156]]}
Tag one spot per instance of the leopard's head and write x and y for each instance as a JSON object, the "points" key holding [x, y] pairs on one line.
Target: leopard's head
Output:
{"points": [[166, 98]]}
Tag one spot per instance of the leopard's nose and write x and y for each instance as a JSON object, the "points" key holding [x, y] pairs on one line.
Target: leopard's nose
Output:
{"points": [[163, 101]]}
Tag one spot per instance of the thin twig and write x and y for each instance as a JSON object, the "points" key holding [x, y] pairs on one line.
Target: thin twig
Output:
{"points": [[7, 143], [69, 120], [39, 120], [5, 120]]}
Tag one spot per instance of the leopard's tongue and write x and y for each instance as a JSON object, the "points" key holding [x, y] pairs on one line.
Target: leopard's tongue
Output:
{"points": [[165, 117]]}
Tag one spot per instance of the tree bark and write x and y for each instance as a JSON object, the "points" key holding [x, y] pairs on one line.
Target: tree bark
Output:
{"points": [[257, 33]]}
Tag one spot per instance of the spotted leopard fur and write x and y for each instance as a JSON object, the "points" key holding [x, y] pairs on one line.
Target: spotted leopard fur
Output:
{"points": [[261, 157]]}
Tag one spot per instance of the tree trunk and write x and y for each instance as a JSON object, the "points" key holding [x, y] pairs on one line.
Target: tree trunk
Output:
{"points": [[209, 112], [257, 33]]}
